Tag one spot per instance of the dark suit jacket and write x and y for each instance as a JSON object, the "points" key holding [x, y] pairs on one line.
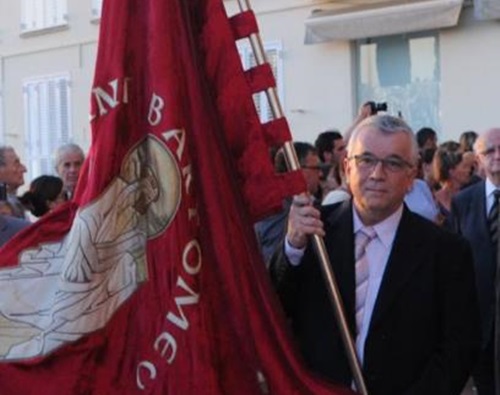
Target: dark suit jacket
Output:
{"points": [[270, 231], [9, 226], [468, 218], [424, 334]]}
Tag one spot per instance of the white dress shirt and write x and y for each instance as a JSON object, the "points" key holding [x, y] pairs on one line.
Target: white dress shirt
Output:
{"points": [[490, 198]]}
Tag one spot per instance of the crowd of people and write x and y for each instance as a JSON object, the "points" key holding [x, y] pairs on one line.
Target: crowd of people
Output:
{"points": [[45, 193], [411, 228]]}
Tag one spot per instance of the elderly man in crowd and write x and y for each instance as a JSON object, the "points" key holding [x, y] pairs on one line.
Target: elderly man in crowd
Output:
{"points": [[407, 285], [69, 160], [12, 177], [474, 214]]}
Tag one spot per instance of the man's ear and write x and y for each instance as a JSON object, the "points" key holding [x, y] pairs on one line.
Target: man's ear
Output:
{"points": [[412, 175], [347, 168]]}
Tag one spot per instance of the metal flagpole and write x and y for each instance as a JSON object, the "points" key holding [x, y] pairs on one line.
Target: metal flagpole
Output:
{"points": [[318, 242]]}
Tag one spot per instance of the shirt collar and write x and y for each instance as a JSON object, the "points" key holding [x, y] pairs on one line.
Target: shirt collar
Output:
{"points": [[385, 230], [490, 187]]}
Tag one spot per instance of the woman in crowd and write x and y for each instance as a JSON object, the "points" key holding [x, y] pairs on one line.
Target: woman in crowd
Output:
{"points": [[451, 172], [45, 194]]}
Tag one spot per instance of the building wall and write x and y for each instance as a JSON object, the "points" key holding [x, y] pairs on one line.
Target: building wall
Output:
{"points": [[470, 76], [63, 50], [318, 92], [319, 80]]}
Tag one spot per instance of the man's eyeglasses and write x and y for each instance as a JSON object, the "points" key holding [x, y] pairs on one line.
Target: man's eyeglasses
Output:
{"points": [[369, 162], [490, 151], [318, 167]]}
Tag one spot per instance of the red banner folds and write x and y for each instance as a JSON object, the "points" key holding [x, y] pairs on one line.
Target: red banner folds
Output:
{"points": [[151, 282]]}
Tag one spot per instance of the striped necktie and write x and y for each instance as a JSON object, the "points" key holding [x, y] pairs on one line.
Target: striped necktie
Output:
{"points": [[363, 237], [493, 218]]}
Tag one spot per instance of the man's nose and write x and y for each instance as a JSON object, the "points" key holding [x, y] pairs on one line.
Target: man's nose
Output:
{"points": [[378, 170]]}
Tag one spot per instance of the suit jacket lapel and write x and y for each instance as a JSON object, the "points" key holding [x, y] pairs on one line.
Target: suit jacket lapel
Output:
{"points": [[478, 207], [403, 260], [340, 247]]}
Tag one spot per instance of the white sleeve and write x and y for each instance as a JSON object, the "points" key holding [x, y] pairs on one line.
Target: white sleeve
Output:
{"points": [[293, 254]]}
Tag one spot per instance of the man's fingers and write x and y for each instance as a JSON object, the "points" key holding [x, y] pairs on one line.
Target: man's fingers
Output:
{"points": [[311, 222], [308, 211], [302, 200]]}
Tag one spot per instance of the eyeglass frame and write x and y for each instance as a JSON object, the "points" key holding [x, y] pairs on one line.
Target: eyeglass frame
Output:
{"points": [[393, 164], [317, 167], [490, 151]]}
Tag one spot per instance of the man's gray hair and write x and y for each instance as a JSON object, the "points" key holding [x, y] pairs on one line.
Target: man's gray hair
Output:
{"points": [[69, 147], [482, 139], [386, 124], [3, 150]]}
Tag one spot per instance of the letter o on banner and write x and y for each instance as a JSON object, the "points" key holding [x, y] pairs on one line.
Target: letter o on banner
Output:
{"points": [[191, 257]]}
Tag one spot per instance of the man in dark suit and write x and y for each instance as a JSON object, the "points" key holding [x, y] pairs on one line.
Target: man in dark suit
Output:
{"points": [[270, 230], [469, 213], [408, 286]]}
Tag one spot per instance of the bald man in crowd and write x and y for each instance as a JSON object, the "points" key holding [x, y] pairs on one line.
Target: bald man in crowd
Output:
{"points": [[474, 214]]}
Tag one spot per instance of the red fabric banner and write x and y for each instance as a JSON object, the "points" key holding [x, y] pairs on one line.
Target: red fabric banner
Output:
{"points": [[150, 281]]}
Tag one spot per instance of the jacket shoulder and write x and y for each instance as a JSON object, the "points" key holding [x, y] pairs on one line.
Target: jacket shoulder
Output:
{"points": [[471, 192], [431, 232]]}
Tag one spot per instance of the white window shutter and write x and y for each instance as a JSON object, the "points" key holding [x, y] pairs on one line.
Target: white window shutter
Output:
{"points": [[65, 119], [50, 13], [96, 8], [60, 12], [2, 132], [47, 120], [273, 52], [29, 10], [272, 56], [43, 14]]}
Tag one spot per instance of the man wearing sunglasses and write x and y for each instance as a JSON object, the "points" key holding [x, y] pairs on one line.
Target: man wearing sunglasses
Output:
{"points": [[407, 286], [270, 231]]}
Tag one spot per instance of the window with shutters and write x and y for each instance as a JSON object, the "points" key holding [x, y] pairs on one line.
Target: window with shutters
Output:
{"points": [[2, 135], [96, 9], [47, 120], [40, 15], [273, 56]]}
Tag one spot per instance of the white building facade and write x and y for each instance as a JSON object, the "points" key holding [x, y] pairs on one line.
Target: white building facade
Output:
{"points": [[445, 74]]}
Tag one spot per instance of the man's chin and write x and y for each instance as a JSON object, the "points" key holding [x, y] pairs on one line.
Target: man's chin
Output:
{"points": [[376, 195]]}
